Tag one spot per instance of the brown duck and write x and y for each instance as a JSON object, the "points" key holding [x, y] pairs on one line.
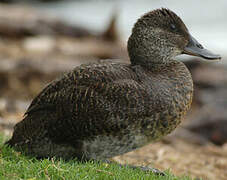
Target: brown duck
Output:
{"points": [[98, 111]]}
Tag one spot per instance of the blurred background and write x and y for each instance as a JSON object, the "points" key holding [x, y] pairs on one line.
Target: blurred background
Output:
{"points": [[41, 39]]}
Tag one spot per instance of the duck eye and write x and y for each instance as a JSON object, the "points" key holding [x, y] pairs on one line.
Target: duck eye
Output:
{"points": [[173, 27]]}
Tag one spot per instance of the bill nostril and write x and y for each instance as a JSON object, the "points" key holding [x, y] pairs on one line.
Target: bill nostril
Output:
{"points": [[199, 46]]}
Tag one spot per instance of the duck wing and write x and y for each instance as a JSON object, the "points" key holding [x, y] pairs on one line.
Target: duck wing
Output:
{"points": [[91, 100]]}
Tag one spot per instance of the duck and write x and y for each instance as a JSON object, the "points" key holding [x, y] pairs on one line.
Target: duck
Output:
{"points": [[101, 110]]}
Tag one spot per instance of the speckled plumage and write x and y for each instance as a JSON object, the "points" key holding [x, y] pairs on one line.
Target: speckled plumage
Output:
{"points": [[101, 110]]}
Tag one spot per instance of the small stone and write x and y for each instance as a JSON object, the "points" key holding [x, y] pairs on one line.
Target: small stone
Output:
{"points": [[42, 44]]}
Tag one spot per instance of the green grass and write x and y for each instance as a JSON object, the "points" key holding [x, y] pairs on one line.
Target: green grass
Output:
{"points": [[14, 165]]}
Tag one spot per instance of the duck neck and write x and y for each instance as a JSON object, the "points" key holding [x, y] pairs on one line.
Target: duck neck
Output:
{"points": [[149, 63]]}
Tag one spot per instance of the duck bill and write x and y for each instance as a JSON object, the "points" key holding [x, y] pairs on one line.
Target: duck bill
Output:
{"points": [[194, 48]]}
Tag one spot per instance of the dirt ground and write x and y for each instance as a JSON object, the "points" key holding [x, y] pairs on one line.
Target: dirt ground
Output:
{"points": [[182, 158]]}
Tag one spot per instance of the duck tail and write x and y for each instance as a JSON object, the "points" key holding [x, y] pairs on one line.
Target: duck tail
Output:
{"points": [[30, 128]]}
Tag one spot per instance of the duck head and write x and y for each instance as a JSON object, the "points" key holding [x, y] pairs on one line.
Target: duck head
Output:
{"points": [[160, 35]]}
